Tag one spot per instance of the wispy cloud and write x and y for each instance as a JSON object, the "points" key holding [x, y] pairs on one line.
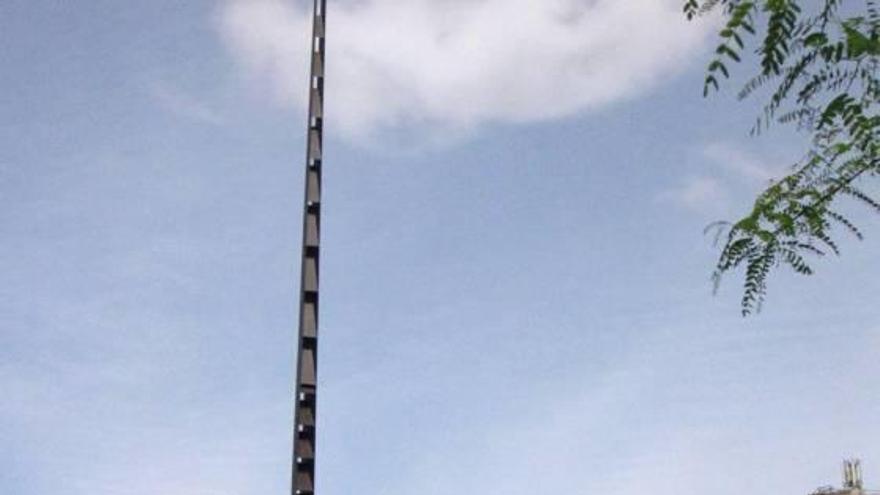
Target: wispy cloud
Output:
{"points": [[742, 165], [728, 171], [453, 66], [183, 104], [697, 193]]}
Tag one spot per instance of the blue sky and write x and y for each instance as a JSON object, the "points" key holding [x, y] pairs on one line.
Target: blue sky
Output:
{"points": [[515, 290]]}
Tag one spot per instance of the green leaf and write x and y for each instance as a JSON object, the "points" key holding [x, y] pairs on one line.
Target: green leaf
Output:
{"points": [[823, 66], [710, 79], [717, 65], [816, 40], [857, 43], [726, 50]]}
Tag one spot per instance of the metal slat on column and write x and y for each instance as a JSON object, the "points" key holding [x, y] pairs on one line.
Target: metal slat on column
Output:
{"points": [[309, 321], [305, 404], [313, 233]]}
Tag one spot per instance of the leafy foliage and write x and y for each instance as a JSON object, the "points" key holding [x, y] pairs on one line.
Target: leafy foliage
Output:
{"points": [[821, 67]]}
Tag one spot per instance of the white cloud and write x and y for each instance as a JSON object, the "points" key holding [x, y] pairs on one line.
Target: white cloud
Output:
{"points": [[454, 65]]}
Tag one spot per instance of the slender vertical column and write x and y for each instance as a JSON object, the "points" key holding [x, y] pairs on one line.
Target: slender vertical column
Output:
{"points": [[303, 482]]}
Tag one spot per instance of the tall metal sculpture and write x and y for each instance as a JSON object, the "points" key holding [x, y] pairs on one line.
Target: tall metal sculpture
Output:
{"points": [[303, 482]]}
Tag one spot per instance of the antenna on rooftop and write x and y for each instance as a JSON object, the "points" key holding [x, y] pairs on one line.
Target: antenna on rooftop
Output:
{"points": [[852, 474]]}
